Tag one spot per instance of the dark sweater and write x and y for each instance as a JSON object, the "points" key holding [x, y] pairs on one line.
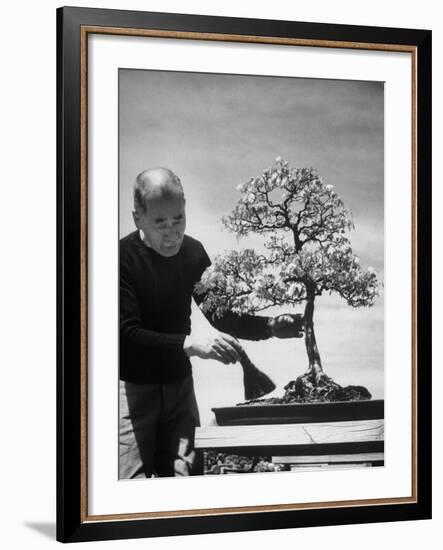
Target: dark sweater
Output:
{"points": [[155, 309]]}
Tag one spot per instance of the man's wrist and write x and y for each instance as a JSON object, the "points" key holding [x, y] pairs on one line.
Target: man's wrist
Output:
{"points": [[270, 327], [187, 345]]}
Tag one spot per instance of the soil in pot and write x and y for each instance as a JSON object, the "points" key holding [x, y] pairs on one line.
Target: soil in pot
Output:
{"points": [[314, 387]]}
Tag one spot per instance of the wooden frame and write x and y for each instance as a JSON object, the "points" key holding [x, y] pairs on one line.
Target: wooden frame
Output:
{"points": [[73, 26]]}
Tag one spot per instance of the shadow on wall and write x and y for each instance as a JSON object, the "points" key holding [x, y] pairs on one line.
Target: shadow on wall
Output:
{"points": [[44, 528]]}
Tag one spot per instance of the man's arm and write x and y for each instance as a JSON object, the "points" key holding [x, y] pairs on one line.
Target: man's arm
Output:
{"points": [[255, 327], [246, 327], [141, 341]]}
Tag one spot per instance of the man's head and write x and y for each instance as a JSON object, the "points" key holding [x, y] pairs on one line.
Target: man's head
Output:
{"points": [[159, 210]]}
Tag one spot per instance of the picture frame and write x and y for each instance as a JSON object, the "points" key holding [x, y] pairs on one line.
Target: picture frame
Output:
{"points": [[75, 212]]}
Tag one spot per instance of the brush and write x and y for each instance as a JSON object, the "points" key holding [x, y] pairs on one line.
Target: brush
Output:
{"points": [[256, 383]]}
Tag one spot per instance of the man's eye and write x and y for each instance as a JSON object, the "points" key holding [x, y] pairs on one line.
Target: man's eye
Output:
{"points": [[165, 225]]}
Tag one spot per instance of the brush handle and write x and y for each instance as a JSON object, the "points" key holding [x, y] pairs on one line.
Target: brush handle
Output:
{"points": [[246, 363]]}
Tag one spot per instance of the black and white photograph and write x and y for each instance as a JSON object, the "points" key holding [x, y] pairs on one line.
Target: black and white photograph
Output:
{"points": [[251, 270], [218, 223]]}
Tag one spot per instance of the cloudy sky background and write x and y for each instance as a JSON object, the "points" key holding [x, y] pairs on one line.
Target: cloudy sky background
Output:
{"points": [[216, 131]]}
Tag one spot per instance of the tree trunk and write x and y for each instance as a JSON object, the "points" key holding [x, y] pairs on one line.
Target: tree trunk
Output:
{"points": [[315, 366]]}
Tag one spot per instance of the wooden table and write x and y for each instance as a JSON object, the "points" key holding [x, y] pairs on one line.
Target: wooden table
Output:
{"points": [[302, 444]]}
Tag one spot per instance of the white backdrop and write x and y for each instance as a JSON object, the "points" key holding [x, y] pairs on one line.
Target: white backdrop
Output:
{"points": [[28, 276]]}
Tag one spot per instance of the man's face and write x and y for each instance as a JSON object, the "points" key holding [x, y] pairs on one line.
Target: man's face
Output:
{"points": [[163, 224]]}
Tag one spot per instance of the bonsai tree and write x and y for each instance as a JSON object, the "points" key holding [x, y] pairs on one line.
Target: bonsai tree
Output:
{"points": [[306, 253]]}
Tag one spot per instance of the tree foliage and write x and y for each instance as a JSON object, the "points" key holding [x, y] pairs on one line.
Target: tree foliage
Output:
{"points": [[307, 251]]}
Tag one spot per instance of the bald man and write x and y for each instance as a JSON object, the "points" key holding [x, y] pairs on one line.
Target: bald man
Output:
{"points": [[159, 267]]}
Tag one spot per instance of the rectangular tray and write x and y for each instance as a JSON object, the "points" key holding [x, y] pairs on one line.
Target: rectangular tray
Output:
{"points": [[295, 413]]}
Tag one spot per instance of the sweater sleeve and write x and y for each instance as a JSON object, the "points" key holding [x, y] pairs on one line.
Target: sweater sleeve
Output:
{"points": [[247, 327], [132, 334]]}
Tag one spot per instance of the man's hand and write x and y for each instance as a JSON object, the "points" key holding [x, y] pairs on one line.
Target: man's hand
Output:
{"points": [[287, 326], [218, 345]]}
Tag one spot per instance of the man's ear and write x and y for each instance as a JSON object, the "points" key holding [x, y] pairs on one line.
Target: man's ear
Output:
{"points": [[135, 217]]}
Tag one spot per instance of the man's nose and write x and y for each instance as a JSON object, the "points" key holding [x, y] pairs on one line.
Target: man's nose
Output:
{"points": [[170, 230]]}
